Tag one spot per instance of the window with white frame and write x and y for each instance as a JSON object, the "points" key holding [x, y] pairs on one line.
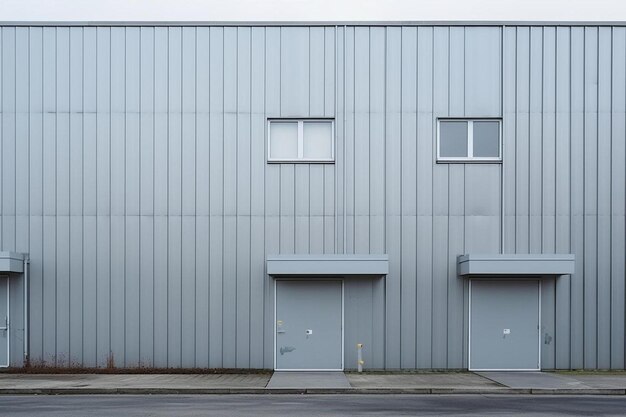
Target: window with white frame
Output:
{"points": [[469, 140], [300, 140]]}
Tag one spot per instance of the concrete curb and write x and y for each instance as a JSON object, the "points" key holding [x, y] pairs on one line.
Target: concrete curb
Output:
{"points": [[579, 391], [310, 391], [481, 391]]}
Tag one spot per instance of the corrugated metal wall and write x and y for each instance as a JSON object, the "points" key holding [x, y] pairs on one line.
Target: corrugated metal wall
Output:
{"points": [[133, 172], [564, 178], [398, 80]]}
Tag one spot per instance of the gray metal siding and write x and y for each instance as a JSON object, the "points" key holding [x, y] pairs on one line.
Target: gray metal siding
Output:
{"points": [[133, 171], [564, 177], [130, 176]]}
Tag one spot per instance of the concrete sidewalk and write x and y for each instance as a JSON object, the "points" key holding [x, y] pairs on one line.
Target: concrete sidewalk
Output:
{"points": [[132, 383], [307, 380], [571, 383]]}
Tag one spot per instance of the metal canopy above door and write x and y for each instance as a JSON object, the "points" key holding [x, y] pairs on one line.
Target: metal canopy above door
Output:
{"points": [[322, 266], [500, 265], [11, 262]]}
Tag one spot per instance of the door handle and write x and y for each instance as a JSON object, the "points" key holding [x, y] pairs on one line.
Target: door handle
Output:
{"points": [[279, 326]]}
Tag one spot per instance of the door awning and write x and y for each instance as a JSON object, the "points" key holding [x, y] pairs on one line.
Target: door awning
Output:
{"points": [[515, 264], [11, 262], [327, 265]]}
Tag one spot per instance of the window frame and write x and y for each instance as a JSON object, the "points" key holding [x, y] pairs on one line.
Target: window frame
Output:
{"points": [[300, 159], [470, 158]]}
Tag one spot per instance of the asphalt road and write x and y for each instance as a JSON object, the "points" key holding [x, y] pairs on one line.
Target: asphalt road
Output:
{"points": [[310, 405]]}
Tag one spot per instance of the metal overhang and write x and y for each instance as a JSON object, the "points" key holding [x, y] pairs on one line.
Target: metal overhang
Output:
{"points": [[327, 265], [11, 262], [515, 264]]}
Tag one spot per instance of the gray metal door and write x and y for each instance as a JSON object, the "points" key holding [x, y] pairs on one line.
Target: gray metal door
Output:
{"points": [[309, 318], [504, 325], [4, 321]]}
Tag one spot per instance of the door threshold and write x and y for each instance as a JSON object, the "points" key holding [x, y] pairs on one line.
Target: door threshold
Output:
{"points": [[504, 370], [308, 370]]}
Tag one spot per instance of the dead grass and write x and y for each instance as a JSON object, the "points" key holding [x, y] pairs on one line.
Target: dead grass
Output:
{"points": [[607, 372], [135, 370], [65, 367]]}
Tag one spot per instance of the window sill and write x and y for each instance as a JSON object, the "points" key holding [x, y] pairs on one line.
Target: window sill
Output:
{"points": [[469, 161], [300, 161]]}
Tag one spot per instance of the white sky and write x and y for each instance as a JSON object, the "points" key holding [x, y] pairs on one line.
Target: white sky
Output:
{"points": [[312, 10]]}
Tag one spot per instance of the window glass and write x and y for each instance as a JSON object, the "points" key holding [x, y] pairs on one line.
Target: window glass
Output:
{"points": [[318, 140], [486, 139], [284, 140], [452, 139]]}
